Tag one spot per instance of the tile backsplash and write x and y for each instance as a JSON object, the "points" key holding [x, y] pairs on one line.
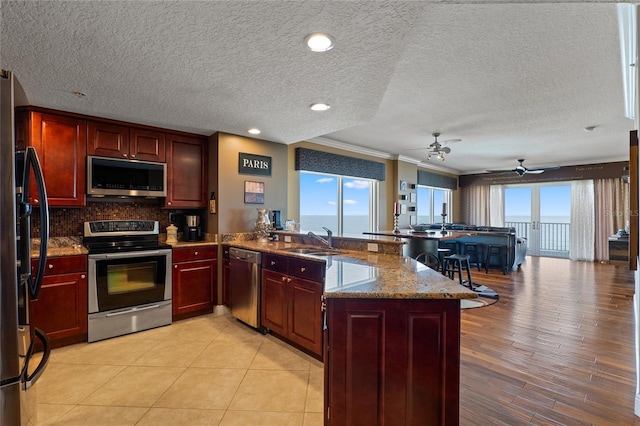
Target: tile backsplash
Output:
{"points": [[68, 222]]}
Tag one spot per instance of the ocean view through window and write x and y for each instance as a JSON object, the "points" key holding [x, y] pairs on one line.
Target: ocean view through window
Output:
{"points": [[343, 204], [429, 206]]}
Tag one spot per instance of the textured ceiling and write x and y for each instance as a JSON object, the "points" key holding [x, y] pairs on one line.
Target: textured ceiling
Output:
{"points": [[511, 80]]}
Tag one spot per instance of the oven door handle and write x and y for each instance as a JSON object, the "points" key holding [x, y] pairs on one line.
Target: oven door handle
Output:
{"points": [[129, 254], [115, 314]]}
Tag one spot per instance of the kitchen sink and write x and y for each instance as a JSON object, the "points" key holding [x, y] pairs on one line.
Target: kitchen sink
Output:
{"points": [[316, 251], [304, 250], [324, 253]]}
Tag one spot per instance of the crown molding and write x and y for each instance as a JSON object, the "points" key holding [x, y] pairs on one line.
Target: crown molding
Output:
{"points": [[351, 148]]}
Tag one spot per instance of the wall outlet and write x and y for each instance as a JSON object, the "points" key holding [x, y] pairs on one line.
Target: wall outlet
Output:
{"points": [[372, 247], [287, 238]]}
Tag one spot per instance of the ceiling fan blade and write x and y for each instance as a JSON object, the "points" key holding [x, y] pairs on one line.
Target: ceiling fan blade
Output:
{"points": [[501, 171], [451, 141], [546, 168], [534, 171]]}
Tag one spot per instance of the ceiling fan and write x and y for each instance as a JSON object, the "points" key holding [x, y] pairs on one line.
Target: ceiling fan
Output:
{"points": [[437, 150], [521, 170]]}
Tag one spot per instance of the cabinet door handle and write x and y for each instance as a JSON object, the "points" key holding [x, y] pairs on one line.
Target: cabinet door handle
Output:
{"points": [[133, 156], [273, 263], [124, 155], [83, 276], [175, 266], [50, 266], [284, 278], [195, 253], [302, 269], [288, 280]]}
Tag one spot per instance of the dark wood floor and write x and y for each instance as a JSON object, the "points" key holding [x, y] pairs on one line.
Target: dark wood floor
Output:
{"points": [[556, 349]]}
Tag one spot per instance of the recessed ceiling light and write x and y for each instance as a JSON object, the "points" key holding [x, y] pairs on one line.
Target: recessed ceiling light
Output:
{"points": [[79, 95], [320, 107], [589, 128], [254, 131], [319, 42]]}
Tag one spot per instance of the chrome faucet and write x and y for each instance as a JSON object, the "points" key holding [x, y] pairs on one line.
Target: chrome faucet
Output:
{"points": [[326, 242]]}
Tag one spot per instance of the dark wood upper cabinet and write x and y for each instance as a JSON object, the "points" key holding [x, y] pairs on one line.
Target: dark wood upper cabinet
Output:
{"points": [[118, 141], [61, 144], [107, 140], [187, 165], [147, 145]]}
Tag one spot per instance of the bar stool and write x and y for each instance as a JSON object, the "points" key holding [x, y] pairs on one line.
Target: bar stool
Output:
{"points": [[451, 245], [429, 259], [455, 263], [442, 253], [473, 250], [498, 251]]}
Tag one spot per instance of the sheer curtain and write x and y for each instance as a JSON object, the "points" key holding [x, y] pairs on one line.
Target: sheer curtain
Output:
{"points": [[582, 238], [496, 205], [476, 200], [611, 212]]}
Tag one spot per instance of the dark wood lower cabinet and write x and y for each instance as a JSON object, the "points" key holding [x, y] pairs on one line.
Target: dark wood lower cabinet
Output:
{"points": [[291, 308], [393, 362], [194, 289], [61, 307]]}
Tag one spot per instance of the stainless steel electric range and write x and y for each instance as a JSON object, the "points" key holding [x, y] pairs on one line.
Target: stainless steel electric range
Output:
{"points": [[129, 273]]}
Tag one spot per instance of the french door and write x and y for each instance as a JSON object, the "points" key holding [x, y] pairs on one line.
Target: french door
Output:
{"points": [[541, 213]]}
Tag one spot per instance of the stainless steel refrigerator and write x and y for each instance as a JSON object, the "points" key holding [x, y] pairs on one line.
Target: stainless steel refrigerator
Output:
{"points": [[18, 373]]}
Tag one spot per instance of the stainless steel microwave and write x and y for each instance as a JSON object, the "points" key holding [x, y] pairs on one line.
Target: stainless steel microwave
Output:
{"points": [[130, 178]]}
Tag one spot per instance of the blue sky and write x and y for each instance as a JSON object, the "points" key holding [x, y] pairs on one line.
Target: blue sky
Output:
{"points": [[555, 200], [319, 193], [318, 196]]}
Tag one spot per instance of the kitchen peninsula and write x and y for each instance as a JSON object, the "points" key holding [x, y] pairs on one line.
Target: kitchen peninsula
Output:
{"points": [[391, 338]]}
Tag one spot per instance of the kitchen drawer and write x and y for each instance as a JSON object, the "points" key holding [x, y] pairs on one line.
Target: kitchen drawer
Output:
{"points": [[185, 254], [63, 265], [274, 262], [307, 269]]}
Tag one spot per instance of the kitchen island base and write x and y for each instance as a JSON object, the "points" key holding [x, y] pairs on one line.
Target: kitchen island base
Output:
{"points": [[392, 361]]}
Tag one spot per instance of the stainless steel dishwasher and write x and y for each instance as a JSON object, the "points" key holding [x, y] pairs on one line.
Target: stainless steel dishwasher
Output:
{"points": [[244, 285]]}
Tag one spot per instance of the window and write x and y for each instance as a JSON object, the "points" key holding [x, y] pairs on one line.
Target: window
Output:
{"points": [[343, 204], [430, 200]]}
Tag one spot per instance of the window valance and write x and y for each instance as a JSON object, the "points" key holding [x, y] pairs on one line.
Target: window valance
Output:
{"points": [[325, 162], [436, 180]]}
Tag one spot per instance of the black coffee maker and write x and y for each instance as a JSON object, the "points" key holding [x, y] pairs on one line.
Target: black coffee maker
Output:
{"points": [[275, 220], [192, 228]]}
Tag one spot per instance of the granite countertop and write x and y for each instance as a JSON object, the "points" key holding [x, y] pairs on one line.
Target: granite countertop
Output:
{"points": [[59, 246], [428, 235], [357, 274], [72, 246]]}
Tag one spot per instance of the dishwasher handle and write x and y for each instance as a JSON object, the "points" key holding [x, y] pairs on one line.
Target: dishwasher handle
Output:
{"points": [[245, 255]]}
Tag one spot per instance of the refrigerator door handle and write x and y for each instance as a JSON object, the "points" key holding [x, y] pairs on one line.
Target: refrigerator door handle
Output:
{"points": [[30, 379], [32, 162]]}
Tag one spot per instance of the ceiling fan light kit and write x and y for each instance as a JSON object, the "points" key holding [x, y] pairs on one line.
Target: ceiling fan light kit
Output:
{"points": [[437, 150]]}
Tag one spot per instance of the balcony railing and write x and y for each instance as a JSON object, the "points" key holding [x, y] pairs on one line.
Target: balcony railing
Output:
{"points": [[554, 237]]}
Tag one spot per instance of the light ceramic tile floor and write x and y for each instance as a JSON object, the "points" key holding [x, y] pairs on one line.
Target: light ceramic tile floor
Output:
{"points": [[209, 370]]}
